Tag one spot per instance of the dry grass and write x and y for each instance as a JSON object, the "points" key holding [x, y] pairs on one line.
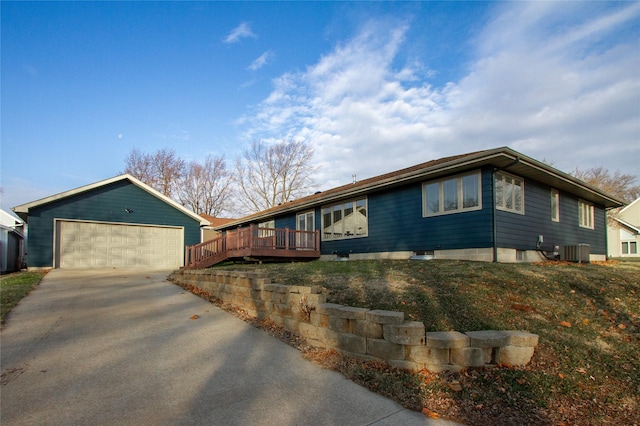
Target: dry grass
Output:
{"points": [[586, 369]]}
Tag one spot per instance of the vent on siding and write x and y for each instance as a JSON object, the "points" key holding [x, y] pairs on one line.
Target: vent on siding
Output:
{"points": [[423, 255], [341, 255], [575, 253]]}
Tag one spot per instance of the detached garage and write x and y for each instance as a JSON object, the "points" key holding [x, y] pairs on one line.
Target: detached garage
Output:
{"points": [[116, 223]]}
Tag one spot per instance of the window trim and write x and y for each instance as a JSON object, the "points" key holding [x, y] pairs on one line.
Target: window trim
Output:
{"points": [[503, 207], [332, 209], [628, 245], [460, 193], [555, 209], [305, 214], [590, 219], [267, 228]]}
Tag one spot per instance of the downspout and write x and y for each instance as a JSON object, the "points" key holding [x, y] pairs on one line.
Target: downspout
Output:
{"points": [[493, 215], [606, 232]]}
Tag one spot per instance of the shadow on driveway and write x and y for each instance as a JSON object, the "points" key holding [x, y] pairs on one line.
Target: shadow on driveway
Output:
{"points": [[120, 347]]}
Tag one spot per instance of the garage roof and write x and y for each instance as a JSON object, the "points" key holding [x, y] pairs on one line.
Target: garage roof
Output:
{"points": [[23, 209]]}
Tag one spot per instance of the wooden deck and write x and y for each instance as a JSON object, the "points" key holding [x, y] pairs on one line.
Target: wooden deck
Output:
{"points": [[256, 243]]}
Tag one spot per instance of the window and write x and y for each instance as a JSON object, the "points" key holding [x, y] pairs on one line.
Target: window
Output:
{"points": [[305, 222], [452, 195], [629, 247], [270, 224], [585, 214], [345, 220], [509, 193], [555, 205]]}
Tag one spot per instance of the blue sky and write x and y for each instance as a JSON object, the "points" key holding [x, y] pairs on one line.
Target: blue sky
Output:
{"points": [[374, 87]]}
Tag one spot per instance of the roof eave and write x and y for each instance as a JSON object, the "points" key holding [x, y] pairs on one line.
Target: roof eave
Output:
{"points": [[23, 209], [503, 158]]}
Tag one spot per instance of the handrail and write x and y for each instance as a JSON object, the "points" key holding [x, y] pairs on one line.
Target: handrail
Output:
{"points": [[251, 239]]}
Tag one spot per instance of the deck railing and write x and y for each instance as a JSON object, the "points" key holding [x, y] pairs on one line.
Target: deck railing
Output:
{"points": [[254, 241]]}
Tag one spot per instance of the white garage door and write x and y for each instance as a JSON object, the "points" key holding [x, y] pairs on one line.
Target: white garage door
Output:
{"points": [[111, 245]]}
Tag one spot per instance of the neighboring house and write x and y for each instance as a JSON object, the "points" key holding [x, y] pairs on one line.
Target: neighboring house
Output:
{"points": [[12, 246], [624, 231], [115, 223], [493, 205], [209, 232]]}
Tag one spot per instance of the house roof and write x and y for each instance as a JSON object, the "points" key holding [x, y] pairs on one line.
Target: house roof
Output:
{"points": [[627, 224], [9, 220], [630, 205], [216, 221], [502, 159], [23, 209]]}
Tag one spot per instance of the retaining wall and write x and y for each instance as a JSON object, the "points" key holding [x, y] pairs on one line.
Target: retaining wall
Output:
{"points": [[359, 332]]}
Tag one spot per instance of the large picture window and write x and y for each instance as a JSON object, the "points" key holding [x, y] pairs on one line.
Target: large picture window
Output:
{"points": [[585, 214], [452, 195], [509, 193], [345, 220]]}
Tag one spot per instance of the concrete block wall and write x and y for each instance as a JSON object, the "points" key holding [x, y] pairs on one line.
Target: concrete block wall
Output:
{"points": [[363, 333]]}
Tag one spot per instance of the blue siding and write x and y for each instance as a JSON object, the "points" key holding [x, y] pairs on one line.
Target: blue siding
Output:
{"points": [[286, 222], [521, 231], [396, 224], [105, 204]]}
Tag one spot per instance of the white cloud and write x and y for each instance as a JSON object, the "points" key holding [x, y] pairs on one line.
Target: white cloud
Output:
{"points": [[554, 80], [261, 61], [241, 31]]}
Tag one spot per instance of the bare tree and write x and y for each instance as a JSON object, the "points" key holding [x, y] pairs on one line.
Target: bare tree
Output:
{"points": [[161, 170], [205, 187], [170, 170], [138, 165], [272, 174], [618, 184]]}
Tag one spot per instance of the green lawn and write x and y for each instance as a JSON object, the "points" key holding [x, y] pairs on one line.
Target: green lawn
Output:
{"points": [[14, 287], [586, 369]]}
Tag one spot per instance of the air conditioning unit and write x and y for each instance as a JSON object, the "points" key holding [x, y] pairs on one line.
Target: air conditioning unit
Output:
{"points": [[575, 253]]}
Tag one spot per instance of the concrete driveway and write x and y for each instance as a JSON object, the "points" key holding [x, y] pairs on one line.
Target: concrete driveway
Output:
{"points": [[119, 347]]}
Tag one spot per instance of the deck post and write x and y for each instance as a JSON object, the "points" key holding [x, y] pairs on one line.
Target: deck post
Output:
{"points": [[286, 238]]}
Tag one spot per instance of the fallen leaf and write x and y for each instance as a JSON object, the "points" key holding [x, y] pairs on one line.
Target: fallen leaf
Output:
{"points": [[581, 370], [194, 317], [455, 386], [622, 326], [566, 324], [430, 413], [585, 321], [562, 376], [521, 307]]}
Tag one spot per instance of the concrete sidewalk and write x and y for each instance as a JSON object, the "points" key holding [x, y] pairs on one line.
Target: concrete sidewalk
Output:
{"points": [[119, 347]]}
